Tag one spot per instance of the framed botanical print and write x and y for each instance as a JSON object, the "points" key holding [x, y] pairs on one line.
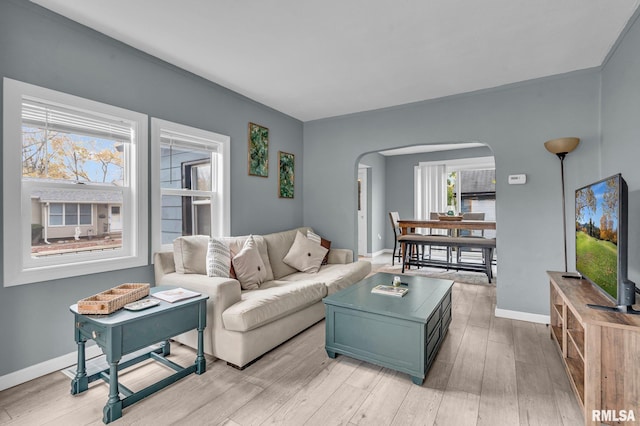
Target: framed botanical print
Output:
{"points": [[258, 150], [286, 174]]}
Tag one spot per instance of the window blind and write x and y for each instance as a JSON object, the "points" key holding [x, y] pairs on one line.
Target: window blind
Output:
{"points": [[187, 142], [59, 118]]}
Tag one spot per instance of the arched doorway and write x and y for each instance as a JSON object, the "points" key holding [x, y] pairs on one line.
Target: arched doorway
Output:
{"points": [[392, 187]]}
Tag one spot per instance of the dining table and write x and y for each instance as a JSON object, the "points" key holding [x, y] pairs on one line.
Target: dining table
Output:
{"points": [[408, 226]]}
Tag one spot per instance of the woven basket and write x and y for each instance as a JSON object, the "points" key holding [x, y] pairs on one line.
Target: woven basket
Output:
{"points": [[113, 299]]}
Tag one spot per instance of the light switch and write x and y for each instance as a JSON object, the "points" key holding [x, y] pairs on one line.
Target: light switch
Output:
{"points": [[517, 179]]}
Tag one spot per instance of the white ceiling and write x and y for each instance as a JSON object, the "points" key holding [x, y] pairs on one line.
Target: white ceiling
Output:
{"points": [[316, 59]]}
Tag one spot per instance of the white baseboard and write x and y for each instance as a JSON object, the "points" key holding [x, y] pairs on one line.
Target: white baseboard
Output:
{"points": [[522, 316], [374, 254], [21, 376]]}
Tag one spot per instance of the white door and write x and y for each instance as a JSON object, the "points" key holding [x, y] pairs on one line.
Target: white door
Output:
{"points": [[115, 218], [362, 211]]}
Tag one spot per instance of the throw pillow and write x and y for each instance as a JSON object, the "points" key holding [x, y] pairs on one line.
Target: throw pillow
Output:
{"points": [[248, 266], [305, 255], [235, 245], [218, 258], [312, 236], [190, 254]]}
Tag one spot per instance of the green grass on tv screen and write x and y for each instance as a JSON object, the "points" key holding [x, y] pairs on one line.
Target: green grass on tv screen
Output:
{"points": [[597, 260]]}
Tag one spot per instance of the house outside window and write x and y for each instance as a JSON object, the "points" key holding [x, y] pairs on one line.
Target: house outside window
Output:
{"points": [[67, 161], [190, 171], [476, 191]]}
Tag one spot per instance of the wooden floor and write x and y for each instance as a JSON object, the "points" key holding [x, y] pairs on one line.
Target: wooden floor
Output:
{"points": [[489, 371]]}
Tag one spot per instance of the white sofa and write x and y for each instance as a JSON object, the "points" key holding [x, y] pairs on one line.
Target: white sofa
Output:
{"points": [[244, 324]]}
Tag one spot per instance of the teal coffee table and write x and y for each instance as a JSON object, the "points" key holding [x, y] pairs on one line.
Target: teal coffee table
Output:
{"points": [[401, 333]]}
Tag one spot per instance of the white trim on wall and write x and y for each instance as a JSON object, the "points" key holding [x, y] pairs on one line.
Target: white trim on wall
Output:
{"points": [[379, 252], [473, 163], [56, 364], [523, 316]]}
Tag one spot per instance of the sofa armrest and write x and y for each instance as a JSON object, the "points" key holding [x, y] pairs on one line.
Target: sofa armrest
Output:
{"points": [[222, 292], [341, 256], [163, 264]]}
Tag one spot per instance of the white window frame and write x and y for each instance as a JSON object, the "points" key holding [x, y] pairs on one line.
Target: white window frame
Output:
{"points": [[479, 163], [19, 266], [221, 197]]}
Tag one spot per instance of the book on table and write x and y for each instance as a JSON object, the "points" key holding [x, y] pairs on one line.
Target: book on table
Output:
{"points": [[175, 294], [390, 290]]}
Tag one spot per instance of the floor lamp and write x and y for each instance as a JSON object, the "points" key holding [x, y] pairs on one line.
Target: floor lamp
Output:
{"points": [[561, 147]]}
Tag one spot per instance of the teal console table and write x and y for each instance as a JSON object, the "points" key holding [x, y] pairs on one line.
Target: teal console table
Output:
{"points": [[131, 333], [400, 333]]}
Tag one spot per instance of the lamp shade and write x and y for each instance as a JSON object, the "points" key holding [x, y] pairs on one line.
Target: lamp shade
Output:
{"points": [[561, 145]]}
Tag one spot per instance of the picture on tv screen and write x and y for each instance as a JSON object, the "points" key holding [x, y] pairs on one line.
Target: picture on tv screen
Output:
{"points": [[597, 216]]}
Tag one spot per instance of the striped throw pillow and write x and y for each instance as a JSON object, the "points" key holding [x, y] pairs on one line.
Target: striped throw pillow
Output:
{"points": [[218, 258]]}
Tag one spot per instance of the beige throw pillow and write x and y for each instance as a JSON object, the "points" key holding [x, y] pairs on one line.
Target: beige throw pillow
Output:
{"points": [[248, 265], [305, 255], [190, 254]]}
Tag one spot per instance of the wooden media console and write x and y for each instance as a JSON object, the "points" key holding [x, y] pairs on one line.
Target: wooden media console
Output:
{"points": [[600, 351]]}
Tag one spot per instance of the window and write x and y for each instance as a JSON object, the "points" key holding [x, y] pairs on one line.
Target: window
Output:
{"points": [[474, 190], [68, 163], [196, 211], [190, 173], [67, 214], [463, 185]]}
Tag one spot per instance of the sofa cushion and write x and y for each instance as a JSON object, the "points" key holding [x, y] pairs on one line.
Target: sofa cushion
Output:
{"points": [[276, 299], [236, 243], [248, 265], [305, 255], [190, 254], [278, 245], [336, 276], [218, 258]]}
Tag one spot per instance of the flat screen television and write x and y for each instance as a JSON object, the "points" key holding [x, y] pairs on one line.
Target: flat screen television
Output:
{"points": [[601, 241]]}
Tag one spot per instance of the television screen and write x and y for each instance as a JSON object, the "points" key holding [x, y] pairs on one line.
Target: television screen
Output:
{"points": [[598, 217]]}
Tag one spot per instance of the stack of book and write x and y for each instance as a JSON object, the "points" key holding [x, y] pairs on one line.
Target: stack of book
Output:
{"points": [[390, 290], [175, 295]]}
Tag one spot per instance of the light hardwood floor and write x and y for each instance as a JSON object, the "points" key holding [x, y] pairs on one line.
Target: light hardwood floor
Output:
{"points": [[489, 371]]}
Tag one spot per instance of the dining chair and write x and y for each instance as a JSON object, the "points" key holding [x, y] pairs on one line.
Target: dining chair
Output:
{"points": [[394, 217], [479, 233], [432, 231]]}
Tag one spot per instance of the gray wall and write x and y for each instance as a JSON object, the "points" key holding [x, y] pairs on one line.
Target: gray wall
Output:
{"points": [[621, 130], [378, 220], [42, 48], [514, 122]]}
